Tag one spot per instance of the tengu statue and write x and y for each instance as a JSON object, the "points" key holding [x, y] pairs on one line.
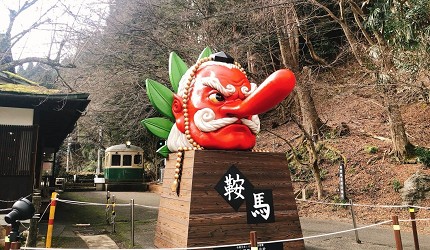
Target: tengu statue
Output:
{"points": [[215, 106]]}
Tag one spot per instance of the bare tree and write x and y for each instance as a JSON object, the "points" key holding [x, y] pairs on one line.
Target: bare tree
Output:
{"points": [[113, 63], [383, 46], [10, 39]]}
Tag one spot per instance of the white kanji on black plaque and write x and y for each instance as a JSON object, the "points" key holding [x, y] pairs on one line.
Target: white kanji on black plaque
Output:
{"points": [[234, 187], [259, 206]]}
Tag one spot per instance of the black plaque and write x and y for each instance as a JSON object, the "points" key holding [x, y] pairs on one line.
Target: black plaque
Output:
{"points": [[234, 187]]}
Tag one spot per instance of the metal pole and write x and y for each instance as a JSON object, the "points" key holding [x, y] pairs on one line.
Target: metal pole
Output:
{"points": [[99, 153], [68, 154], [113, 214], [99, 161], [253, 240], [414, 228], [107, 207], [132, 221], [353, 222], [397, 236], [51, 220]]}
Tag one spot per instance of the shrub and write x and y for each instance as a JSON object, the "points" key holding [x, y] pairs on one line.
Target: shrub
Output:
{"points": [[371, 149], [331, 156], [397, 185], [423, 155], [323, 174]]}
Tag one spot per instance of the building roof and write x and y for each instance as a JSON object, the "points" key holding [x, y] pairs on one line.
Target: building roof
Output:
{"points": [[123, 148], [55, 113]]}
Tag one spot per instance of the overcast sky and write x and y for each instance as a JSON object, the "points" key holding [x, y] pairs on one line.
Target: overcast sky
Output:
{"points": [[38, 42]]}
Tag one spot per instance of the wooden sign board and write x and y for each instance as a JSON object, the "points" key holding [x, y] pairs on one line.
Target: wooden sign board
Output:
{"points": [[200, 216]]}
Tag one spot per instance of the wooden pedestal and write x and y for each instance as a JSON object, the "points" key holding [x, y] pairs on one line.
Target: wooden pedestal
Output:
{"points": [[200, 216]]}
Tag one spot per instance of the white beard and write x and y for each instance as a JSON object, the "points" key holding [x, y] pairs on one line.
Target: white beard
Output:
{"points": [[177, 139]]}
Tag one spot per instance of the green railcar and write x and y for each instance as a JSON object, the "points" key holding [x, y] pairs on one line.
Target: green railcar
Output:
{"points": [[123, 164]]}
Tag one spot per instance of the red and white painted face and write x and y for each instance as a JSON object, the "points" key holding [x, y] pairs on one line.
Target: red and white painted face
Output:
{"points": [[214, 87], [223, 106]]}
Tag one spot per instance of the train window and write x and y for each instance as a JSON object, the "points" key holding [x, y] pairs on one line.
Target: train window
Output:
{"points": [[116, 160], [126, 160], [137, 159]]}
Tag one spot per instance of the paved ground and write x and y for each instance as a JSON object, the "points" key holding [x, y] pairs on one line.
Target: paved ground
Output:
{"points": [[73, 221]]}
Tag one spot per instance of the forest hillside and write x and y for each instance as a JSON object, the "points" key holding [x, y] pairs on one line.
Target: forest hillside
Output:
{"points": [[359, 132]]}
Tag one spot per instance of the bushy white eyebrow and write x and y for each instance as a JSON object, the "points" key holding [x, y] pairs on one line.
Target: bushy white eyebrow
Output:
{"points": [[213, 82]]}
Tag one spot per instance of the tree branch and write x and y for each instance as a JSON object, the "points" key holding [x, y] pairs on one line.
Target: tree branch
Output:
{"points": [[47, 61]]}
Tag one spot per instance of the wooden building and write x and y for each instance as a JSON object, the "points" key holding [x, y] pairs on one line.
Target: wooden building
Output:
{"points": [[34, 121]]}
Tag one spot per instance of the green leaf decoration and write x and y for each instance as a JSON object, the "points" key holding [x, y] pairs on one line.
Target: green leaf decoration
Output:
{"points": [[164, 151], [159, 126], [161, 97], [205, 53], [177, 69]]}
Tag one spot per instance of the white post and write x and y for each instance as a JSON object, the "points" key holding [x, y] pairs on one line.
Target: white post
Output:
{"points": [[99, 153], [132, 221], [68, 154]]}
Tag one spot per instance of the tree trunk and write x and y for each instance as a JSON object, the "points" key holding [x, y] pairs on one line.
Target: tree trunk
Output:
{"points": [[310, 119], [313, 161], [402, 148], [287, 49], [251, 62], [289, 53]]}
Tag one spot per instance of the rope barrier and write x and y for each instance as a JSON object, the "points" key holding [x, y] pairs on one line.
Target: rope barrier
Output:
{"points": [[299, 200], [424, 219], [101, 204], [329, 234], [363, 205], [89, 203], [5, 209], [5, 201], [265, 242], [152, 207], [46, 209]]}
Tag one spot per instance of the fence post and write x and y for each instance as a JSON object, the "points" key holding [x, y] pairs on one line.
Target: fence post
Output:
{"points": [[32, 231], [132, 221], [113, 214], [353, 222], [253, 240], [397, 236], [342, 185], [107, 207], [414, 228], [6, 237], [15, 245], [51, 220]]}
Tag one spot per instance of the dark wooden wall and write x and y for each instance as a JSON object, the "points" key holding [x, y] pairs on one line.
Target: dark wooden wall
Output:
{"points": [[200, 216], [17, 162]]}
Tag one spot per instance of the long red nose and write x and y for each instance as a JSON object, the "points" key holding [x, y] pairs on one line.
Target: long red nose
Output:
{"points": [[269, 94]]}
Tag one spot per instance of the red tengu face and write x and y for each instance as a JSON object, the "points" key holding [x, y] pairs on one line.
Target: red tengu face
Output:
{"points": [[211, 122]]}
